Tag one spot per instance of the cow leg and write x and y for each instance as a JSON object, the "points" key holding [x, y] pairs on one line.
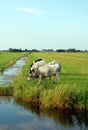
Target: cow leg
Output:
{"points": [[40, 78], [57, 77]]}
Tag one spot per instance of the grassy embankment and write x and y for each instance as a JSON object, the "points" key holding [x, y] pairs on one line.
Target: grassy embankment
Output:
{"points": [[72, 92], [7, 59]]}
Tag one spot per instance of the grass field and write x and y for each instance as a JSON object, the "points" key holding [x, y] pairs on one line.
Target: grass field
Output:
{"points": [[71, 92], [8, 58]]}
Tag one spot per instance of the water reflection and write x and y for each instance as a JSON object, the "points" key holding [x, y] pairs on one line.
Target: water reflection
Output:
{"points": [[65, 118], [8, 75], [18, 116]]}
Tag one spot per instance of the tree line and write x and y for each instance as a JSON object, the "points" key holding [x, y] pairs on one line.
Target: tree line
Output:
{"points": [[45, 50]]}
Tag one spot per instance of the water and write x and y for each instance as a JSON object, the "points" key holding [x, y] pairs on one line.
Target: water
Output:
{"points": [[15, 116], [8, 75]]}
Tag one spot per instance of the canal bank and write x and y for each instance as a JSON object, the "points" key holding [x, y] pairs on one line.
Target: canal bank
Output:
{"points": [[8, 76]]}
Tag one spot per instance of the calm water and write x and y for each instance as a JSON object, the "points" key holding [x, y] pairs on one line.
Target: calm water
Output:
{"points": [[15, 116], [8, 75]]}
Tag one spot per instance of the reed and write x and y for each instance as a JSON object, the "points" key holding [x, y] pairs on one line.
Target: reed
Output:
{"points": [[6, 90]]}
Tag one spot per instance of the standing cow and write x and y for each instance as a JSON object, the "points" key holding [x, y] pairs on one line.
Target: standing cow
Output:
{"points": [[45, 70]]}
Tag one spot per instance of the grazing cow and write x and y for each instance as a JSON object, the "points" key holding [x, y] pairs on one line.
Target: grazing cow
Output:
{"points": [[46, 70], [34, 67]]}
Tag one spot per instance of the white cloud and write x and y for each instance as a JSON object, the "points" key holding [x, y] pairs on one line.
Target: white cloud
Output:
{"points": [[31, 11]]}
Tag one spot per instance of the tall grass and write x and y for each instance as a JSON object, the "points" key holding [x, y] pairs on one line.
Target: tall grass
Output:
{"points": [[6, 90], [70, 93]]}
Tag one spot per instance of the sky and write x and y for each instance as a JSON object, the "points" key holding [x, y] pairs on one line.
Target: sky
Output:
{"points": [[44, 24]]}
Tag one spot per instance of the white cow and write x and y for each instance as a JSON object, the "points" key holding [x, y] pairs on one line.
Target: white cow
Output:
{"points": [[34, 67], [41, 70], [48, 70]]}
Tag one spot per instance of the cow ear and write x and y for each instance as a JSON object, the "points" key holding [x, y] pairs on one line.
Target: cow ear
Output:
{"points": [[31, 65], [33, 70]]}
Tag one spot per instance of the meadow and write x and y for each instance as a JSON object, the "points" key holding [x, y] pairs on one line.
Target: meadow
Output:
{"points": [[8, 58], [70, 93]]}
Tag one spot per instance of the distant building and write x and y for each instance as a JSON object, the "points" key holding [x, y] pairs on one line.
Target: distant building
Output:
{"points": [[71, 50]]}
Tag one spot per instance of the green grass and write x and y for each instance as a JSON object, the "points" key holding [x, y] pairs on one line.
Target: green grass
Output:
{"points": [[8, 58], [6, 90], [70, 93]]}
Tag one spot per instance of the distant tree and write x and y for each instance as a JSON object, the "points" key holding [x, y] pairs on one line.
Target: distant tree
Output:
{"points": [[60, 50], [86, 50], [10, 49], [35, 50], [26, 50], [14, 50]]}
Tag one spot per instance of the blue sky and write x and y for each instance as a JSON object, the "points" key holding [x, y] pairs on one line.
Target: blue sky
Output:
{"points": [[44, 24]]}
